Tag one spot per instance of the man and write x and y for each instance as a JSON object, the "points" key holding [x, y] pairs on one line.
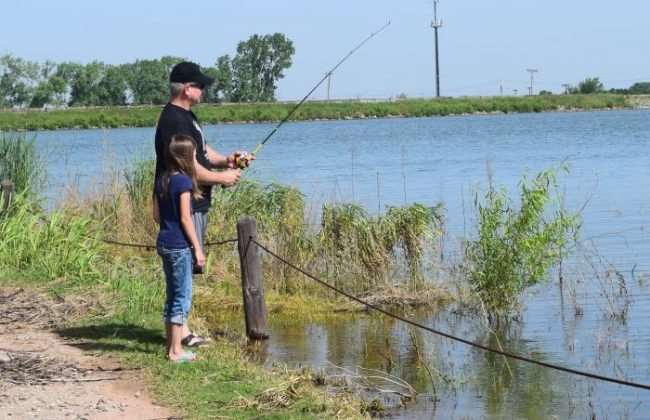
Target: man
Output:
{"points": [[187, 82]]}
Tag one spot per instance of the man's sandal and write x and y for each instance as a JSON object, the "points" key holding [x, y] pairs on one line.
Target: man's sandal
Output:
{"points": [[193, 340]]}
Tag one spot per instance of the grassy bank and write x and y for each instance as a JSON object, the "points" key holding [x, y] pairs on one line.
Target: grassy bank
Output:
{"points": [[59, 253], [146, 116], [62, 252]]}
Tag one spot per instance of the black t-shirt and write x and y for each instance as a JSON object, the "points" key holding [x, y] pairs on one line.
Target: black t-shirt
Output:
{"points": [[176, 120]]}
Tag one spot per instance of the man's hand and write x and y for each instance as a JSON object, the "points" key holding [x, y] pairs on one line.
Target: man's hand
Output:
{"points": [[240, 159], [230, 177]]}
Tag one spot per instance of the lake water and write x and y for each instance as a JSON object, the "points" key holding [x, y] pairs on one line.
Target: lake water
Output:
{"points": [[448, 159]]}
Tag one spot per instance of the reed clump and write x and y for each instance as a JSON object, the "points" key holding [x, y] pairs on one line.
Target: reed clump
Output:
{"points": [[363, 252], [20, 163]]}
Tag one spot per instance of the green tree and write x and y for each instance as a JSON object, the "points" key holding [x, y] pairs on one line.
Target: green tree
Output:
{"points": [[640, 88], [84, 83], [588, 86], [60, 82], [148, 80], [18, 79], [42, 93], [111, 90], [258, 65], [221, 89]]}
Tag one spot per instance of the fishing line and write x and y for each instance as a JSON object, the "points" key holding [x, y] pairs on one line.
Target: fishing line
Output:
{"points": [[242, 161]]}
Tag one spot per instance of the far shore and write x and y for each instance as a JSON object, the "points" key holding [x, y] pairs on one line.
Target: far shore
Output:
{"points": [[242, 113]]}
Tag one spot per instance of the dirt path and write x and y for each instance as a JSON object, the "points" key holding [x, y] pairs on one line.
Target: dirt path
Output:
{"points": [[44, 377]]}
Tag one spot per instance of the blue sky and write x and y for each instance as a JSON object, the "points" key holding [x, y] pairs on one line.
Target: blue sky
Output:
{"points": [[482, 43]]}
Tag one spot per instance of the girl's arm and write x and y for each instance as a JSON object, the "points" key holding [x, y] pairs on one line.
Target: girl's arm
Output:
{"points": [[188, 227], [156, 209]]}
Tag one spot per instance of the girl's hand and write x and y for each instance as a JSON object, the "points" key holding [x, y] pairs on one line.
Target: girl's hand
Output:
{"points": [[200, 258]]}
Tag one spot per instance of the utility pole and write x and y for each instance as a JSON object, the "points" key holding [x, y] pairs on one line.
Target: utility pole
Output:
{"points": [[435, 24], [329, 77], [530, 88]]}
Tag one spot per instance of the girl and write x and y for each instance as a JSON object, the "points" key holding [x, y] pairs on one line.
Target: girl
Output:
{"points": [[177, 238]]}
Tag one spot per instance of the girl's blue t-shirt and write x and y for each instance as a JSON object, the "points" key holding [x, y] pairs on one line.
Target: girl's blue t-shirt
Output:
{"points": [[171, 233]]}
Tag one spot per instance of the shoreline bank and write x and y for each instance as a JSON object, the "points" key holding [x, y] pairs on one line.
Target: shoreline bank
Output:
{"points": [[132, 117]]}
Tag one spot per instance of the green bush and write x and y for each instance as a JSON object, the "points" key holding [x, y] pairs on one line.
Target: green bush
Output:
{"points": [[516, 246]]}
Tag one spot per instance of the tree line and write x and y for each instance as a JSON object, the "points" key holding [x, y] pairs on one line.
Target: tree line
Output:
{"points": [[251, 75], [594, 85]]}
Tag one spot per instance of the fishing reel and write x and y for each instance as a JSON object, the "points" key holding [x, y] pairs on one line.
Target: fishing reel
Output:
{"points": [[242, 160]]}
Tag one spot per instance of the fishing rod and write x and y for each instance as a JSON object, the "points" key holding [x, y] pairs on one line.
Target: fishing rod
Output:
{"points": [[242, 160]]}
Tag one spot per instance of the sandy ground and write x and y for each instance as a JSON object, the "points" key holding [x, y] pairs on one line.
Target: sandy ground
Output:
{"points": [[43, 376]]}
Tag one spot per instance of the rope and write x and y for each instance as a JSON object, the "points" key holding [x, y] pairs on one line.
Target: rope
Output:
{"points": [[224, 242], [452, 337], [150, 247], [126, 244]]}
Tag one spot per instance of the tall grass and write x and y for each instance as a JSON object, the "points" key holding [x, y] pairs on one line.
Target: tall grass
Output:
{"points": [[20, 163], [279, 211], [357, 251], [138, 181], [362, 252], [58, 247]]}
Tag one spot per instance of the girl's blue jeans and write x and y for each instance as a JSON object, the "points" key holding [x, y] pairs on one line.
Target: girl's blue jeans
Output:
{"points": [[177, 265]]}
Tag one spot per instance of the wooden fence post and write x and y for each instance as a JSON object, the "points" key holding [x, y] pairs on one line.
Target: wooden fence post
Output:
{"points": [[250, 260], [7, 194]]}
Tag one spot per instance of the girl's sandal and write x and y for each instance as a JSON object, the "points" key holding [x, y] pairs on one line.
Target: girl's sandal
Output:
{"points": [[187, 357]]}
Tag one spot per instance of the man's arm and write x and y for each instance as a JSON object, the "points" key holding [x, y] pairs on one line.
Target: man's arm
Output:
{"points": [[217, 160], [227, 178]]}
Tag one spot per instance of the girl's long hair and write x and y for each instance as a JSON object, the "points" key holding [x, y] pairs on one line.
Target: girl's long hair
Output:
{"points": [[179, 157]]}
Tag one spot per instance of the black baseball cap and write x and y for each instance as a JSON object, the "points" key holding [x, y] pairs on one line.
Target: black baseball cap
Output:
{"points": [[188, 72]]}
